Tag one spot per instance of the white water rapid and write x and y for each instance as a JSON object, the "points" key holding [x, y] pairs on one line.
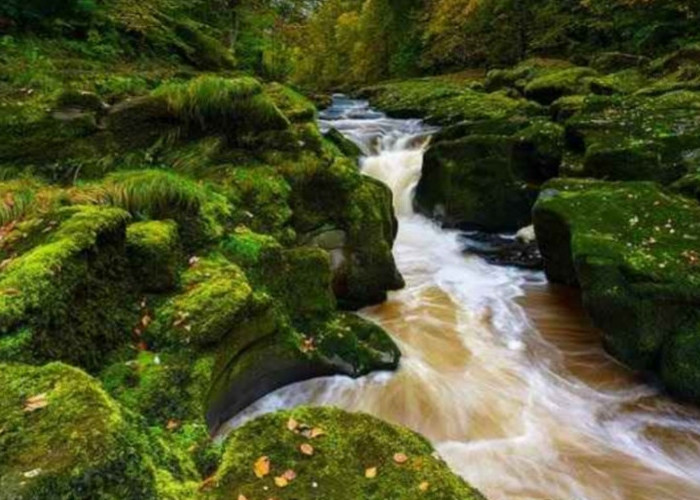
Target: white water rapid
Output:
{"points": [[502, 373]]}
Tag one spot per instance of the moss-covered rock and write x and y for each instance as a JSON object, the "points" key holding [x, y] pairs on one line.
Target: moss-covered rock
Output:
{"points": [[549, 87], [479, 182], [344, 145], [153, 249], [162, 387], [215, 294], [443, 101], [610, 62], [335, 195], [73, 282], [350, 446], [519, 76], [632, 247], [637, 137], [63, 437], [266, 353]]}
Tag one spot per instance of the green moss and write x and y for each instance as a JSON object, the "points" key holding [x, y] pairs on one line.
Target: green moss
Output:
{"points": [[520, 75], [228, 106], [442, 101], [471, 182], [153, 249], [632, 247], [549, 87], [262, 195], [199, 210], [293, 105], [73, 283], [352, 443], [637, 137], [335, 195], [214, 298], [344, 145], [162, 387], [249, 249], [108, 453]]}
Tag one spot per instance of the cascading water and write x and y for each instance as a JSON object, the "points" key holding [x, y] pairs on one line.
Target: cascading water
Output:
{"points": [[519, 412]]}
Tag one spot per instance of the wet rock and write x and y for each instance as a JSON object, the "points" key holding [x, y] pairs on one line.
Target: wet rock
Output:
{"points": [[632, 248], [503, 250], [347, 147]]}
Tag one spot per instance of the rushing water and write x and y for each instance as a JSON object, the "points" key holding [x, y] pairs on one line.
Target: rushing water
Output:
{"points": [[502, 372]]}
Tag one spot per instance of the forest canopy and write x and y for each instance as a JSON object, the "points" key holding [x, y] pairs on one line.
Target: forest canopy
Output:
{"points": [[333, 43]]}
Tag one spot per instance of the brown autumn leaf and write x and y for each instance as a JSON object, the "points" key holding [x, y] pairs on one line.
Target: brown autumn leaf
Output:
{"points": [[317, 432], [371, 473], [307, 449], [289, 475], [146, 320], [261, 467], [281, 482], [172, 424], [35, 403], [242, 497], [400, 458], [424, 486], [292, 424]]}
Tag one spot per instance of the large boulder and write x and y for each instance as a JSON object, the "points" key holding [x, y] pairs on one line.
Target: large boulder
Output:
{"points": [[487, 180], [632, 248], [65, 289], [64, 437], [637, 137], [328, 453]]}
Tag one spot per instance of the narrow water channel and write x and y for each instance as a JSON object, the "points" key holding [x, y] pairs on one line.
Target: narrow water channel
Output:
{"points": [[502, 372]]}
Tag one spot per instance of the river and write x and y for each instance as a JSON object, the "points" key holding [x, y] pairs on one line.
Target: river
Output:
{"points": [[502, 372]]}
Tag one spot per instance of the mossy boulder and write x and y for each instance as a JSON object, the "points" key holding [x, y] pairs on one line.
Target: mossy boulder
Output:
{"points": [[71, 290], [335, 195], [215, 294], [638, 137], [266, 353], [64, 437], [549, 87], [632, 248], [488, 182], [443, 101], [610, 62], [350, 446], [519, 76], [153, 249], [344, 145]]}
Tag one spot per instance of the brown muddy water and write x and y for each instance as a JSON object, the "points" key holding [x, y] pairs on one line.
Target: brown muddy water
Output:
{"points": [[501, 371]]}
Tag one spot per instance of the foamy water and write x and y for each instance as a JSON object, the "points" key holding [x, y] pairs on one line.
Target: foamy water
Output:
{"points": [[520, 413]]}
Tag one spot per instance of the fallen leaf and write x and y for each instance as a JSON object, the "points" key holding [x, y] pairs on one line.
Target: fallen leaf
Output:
{"points": [[371, 473], [242, 497], [32, 473], [193, 260], [281, 482], [424, 486], [400, 458], [146, 320], [307, 449], [292, 424], [262, 467], [172, 424], [317, 432], [289, 475], [35, 403]]}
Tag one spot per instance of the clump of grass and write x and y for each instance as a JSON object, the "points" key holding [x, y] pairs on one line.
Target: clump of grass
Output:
{"points": [[223, 103], [152, 192], [162, 194]]}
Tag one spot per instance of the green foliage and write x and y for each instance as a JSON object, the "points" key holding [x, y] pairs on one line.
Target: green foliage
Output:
{"points": [[224, 104]]}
